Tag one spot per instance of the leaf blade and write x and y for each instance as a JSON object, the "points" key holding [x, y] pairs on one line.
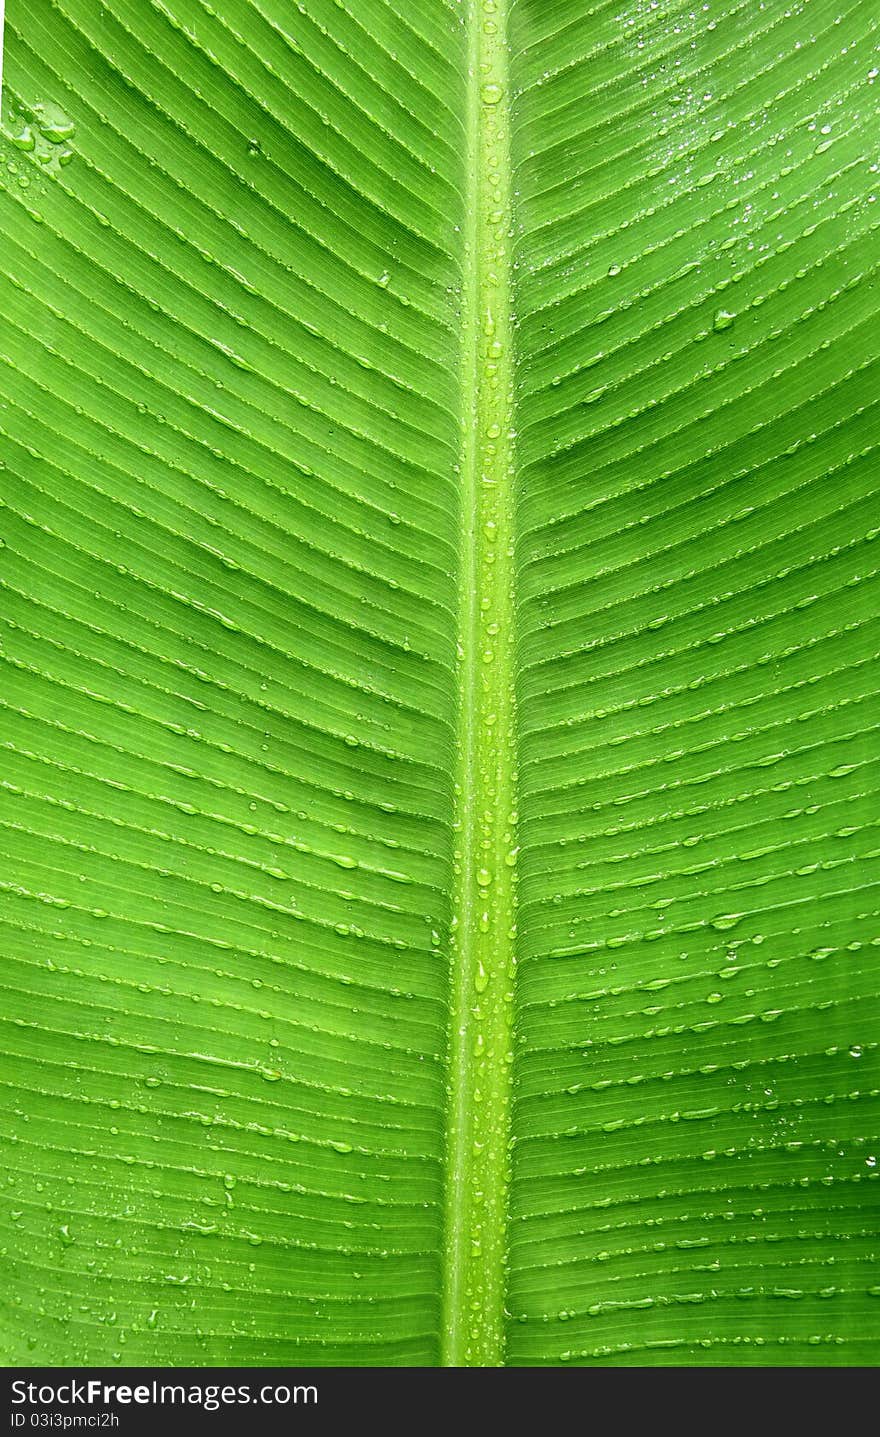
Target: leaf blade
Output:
{"points": [[245, 361]]}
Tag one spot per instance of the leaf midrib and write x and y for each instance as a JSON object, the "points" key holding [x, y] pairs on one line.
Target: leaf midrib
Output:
{"points": [[482, 949]]}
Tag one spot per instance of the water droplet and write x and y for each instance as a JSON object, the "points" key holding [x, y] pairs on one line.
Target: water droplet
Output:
{"points": [[56, 127], [726, 920]]}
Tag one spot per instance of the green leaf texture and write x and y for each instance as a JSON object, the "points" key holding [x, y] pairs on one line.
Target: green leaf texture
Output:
{"points": [[439, 722]]}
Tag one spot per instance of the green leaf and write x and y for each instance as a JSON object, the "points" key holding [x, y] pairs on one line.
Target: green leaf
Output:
{"points": [[438, 816]]}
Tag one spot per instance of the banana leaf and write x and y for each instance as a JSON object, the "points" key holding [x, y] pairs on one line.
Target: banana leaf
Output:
{"points": [[439, 707]]}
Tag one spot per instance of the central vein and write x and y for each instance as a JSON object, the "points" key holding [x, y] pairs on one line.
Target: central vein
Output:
{"points": [[485, 866]]}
